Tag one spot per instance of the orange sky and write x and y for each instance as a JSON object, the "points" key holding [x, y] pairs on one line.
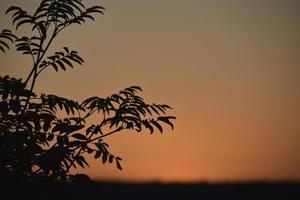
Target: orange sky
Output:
{"points": [[231, 70]]}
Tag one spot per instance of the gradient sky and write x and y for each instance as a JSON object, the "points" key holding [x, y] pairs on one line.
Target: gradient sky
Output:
{"points": [[230, 69]]}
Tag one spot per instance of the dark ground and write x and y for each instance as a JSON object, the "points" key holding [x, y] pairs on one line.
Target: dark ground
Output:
{"points": [[153, 191]]}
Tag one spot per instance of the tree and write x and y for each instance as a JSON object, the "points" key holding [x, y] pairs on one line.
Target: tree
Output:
{"points": [[35, 141]]}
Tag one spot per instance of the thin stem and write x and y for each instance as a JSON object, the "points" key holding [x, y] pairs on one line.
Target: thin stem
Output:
{"points": [[30, 74], [33, 60], [89, 114], [107, 134], [36, 65], [42, 69]]}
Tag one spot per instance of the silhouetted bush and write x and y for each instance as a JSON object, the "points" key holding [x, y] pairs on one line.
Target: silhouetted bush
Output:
{"points": [[38, 145]]}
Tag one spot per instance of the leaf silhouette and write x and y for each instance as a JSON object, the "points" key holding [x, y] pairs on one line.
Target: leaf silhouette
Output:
{"points": [[4, 36], [79, 136]]}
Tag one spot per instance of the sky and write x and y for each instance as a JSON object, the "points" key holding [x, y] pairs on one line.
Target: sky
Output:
{"points": [[230, 69]]}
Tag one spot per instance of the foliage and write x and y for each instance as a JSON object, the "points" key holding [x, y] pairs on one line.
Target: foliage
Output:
{"points": [[35, 140]]}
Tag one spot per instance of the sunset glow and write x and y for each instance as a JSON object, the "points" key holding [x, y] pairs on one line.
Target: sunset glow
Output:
{"points": [[230, 70]]}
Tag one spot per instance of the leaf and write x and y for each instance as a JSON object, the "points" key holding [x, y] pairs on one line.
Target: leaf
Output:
{"points": [[2, 49], [95, 9], [147, 109], [166, 119], [71, 128], [148, 125], [97, 154], [79, 136], [76, 56], [104, 157], [118, 158], [12, 8], [160, 108], [79, 161], [87, 102], [23, 22], [136, 88], [89, 16], [54, 66], [61, 65], [118, 163], [111, 158], [157, 125], [67, 62], [154, 109], [4, 44], [59, 53], [8, 35], [84, 161], [66, 49]]}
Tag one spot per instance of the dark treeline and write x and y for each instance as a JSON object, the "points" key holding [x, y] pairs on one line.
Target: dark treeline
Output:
{"points": [[104, 190]]}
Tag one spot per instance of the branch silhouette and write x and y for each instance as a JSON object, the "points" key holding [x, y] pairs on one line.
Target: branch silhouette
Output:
{"points": [[35, 141]]}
